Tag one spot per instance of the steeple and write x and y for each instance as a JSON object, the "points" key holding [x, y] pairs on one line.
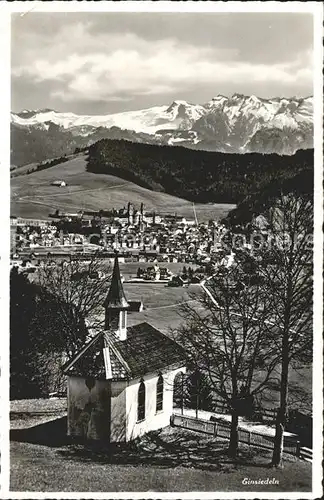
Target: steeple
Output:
{"points": [[116, 304]]}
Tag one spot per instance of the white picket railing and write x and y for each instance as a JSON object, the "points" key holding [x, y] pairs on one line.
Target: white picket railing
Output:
{"points": [[222, 430], [306, 454]]}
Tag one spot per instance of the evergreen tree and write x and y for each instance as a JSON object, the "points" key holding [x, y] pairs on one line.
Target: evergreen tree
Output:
{"points": [[198, 392], [28, 377]]}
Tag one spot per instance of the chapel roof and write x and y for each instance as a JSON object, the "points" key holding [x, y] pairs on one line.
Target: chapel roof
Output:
{"points": [[146, 350]]}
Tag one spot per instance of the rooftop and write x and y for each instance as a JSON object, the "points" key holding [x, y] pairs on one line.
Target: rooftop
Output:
{"points": [[145, 350]]}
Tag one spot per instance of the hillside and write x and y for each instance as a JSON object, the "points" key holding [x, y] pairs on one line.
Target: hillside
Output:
{"points": [[33, 196], [302, 184], [199, 176]]}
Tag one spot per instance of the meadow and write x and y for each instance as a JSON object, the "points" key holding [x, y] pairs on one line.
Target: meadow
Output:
{"points": [[33, 196], [167, 460]]}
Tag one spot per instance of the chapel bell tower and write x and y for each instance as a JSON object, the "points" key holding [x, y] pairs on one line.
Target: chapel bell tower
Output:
{"points": [[116, 305]]}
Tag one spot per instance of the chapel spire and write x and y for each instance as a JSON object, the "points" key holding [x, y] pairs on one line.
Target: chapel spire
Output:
{"points": [[116, 304], [116, 297]]}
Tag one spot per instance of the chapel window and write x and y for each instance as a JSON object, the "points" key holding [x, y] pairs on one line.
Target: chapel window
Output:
{"points": [[159, 393], [141, 402]]}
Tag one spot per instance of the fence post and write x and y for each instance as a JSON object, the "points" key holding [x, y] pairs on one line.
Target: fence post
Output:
{"points": [[216, 430], [249, 441]]}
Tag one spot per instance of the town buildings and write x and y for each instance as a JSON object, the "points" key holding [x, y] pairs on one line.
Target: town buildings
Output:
{"points": [[145, 236]]}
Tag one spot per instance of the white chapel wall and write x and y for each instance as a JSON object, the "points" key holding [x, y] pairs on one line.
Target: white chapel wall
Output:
{"points": [[153, 420]]}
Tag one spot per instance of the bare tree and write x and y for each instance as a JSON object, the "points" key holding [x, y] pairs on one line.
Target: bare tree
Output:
{"points": [[71, 295], [229, 337], [288, 279]]}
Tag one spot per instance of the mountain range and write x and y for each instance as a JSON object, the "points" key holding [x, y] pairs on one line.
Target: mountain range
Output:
{"points": [[236, 124]]}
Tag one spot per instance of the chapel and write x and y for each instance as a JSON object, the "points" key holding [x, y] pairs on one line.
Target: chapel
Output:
{"points": [[120, 384]]}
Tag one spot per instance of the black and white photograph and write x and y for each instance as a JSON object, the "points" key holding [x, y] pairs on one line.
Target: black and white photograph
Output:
{"points": [[165, 261]]}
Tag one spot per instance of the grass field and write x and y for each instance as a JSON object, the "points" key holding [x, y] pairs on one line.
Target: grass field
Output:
{"points": [[161, 304], [33, 196], [167, 460]]}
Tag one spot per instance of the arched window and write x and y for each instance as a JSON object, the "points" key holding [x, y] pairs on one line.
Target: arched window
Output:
{"points": [[141, 402], [159, 393]]}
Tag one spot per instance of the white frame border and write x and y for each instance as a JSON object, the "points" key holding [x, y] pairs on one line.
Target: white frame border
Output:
{"points": [[315, 8]]}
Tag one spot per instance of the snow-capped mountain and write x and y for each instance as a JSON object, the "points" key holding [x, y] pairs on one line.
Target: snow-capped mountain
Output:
{"points": [[180, 115], [243, 124], [230, 124]]}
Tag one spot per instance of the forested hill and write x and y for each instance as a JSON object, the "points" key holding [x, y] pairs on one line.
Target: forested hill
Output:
{"points": [[199, 176], [302, 184]]}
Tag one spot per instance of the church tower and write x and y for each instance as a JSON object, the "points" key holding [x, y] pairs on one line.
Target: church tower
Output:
{"points": [[130, 213], [116, 305]]}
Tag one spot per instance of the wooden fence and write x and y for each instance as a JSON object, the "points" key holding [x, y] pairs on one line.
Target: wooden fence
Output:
{"points": [[222, 430]]}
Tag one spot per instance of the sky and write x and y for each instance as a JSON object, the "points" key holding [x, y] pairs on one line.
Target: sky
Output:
{"points": [[98, 63]]}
